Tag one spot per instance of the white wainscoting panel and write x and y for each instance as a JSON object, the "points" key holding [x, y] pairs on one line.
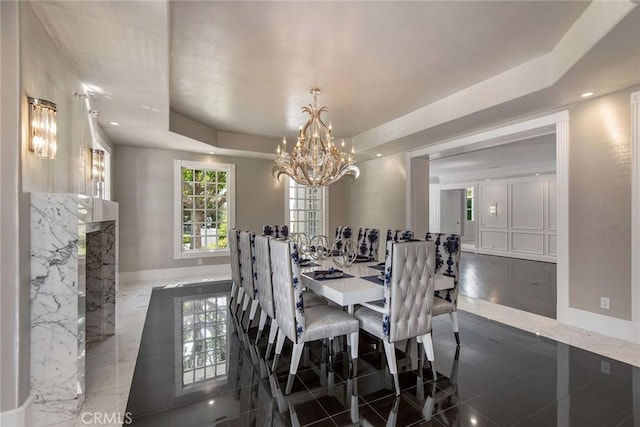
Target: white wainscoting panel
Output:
{"points": [[553, 244], [494, 240], [527, 205], [490, 194], [553, 205], [531, 243]]}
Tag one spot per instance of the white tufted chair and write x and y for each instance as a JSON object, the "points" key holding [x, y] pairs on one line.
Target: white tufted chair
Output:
{"points": [[295, 321], [408, 302], [264, 287], [247, 274], [265, 290], [448, 264], [236, 281]]}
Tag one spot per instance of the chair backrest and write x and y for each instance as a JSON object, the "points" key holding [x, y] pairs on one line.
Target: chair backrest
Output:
{"points": [[397, 235], [368, 242], [448, 250], [408, 289], [263, 275], [287, 288], [234, 253], [246, 242], [343, 232], [276, 231]]}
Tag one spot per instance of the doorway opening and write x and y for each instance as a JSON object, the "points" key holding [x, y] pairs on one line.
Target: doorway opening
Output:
{"points": [[532, 239]]}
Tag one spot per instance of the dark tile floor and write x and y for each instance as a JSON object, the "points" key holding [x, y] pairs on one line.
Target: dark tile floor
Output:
{"points": [[526, 285], [498, 376]]}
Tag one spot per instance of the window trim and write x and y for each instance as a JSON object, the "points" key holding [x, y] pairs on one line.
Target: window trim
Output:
{"points": [[177, 206], [325, 207]]}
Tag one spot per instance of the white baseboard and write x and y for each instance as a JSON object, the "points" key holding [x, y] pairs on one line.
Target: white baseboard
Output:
{"points": [[219, 272], [519, 255], [19, 417], [605, 325], [469, 247]]}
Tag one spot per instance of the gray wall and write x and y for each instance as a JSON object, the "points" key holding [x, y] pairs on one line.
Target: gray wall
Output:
{"points": [[33, 66], [377, 199], [600, 204], [14, 297], [143, 185]]}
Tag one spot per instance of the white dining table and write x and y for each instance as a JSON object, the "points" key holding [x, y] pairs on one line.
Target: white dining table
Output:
{"points": [[344, 291], [348, 291]]}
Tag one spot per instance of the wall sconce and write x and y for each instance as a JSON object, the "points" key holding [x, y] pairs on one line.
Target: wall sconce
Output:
{"points": [[97, 171], [493, 209], [42, 128]]}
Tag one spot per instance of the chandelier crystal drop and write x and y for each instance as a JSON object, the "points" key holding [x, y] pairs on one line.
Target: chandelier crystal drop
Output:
{"points": [[315, 161]]}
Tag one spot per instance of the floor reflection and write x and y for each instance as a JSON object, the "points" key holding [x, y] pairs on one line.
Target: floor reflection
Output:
{"points": [[498, 376]]}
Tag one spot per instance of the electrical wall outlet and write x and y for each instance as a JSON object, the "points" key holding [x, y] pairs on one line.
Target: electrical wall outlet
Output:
{"points": [[604, 303], [605, 367], [199, 261]]}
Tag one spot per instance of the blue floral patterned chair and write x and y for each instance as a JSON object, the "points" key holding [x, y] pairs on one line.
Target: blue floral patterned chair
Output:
{"points": [[295, 321], [447, 264], [276, 231], [408, 301], [368, 242], [398, 235], [342, 232]]}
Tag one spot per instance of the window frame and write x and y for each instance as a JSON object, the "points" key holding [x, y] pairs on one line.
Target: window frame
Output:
{"points": [[324, 197], [229, 168], [473, 203]]}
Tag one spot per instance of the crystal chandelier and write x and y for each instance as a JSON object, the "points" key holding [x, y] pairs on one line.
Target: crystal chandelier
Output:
{"points": [[315, 161]]}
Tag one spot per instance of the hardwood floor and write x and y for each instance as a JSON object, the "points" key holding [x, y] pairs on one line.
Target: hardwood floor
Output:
{"points": [[522, 284]]}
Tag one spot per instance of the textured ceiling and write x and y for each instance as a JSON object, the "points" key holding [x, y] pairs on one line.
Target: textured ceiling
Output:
{"points": [[248, 66], [199, 75]]}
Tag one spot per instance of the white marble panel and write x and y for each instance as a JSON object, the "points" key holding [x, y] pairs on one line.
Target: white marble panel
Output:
{"points": [[101, 280], [57, 341]]}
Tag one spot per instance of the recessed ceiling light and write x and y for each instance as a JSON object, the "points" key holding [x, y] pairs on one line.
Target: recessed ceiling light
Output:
{"points": [[537, 174], [378, 155], [114, 123], [89, 88], [211, 402], [487, 179], [210, 152], [586, 94]]}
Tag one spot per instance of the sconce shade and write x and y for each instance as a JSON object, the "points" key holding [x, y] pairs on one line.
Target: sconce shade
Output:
{"points": [[97, 171], [43, 128]]}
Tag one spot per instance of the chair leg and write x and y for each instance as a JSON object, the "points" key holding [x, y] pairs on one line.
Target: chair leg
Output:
{"points": [[252, 312], [240, 297], [279, 345], [234, 289], [390, 352], [354, 342], [261, 323], [272, 337], [293, 368], [428, 349], [245, 302], [454, 323]]}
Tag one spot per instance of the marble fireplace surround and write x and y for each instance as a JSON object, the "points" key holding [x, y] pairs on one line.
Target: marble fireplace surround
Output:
{"points": [[74, 259]]}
